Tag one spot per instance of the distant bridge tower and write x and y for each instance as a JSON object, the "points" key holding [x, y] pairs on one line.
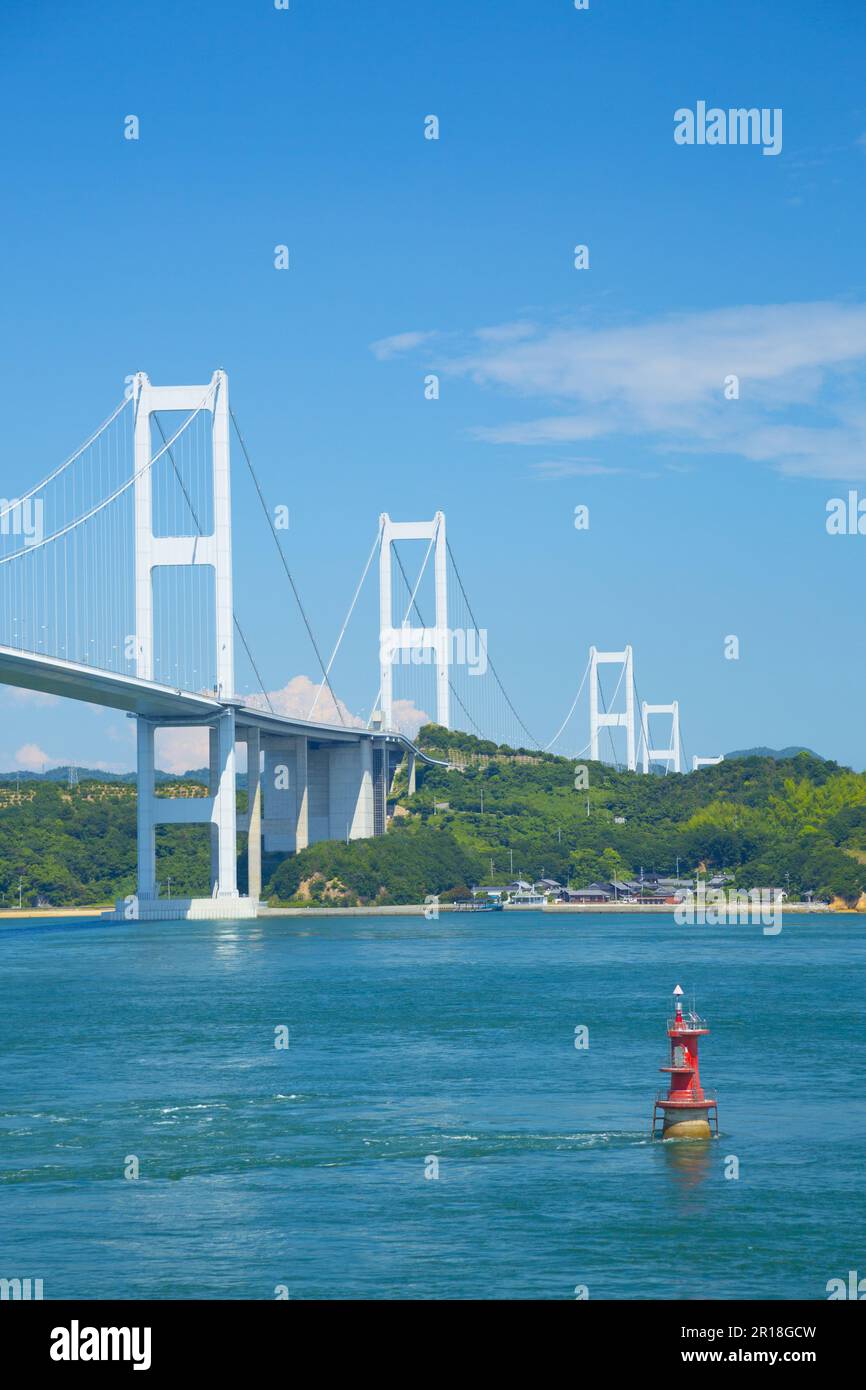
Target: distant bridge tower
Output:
{"points": [[706, 762], [215, 550], [667, 755], [623, 719], [393, 640]]}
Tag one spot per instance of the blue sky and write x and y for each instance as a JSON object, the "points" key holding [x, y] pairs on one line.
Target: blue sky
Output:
{"points": [[559, 387]]}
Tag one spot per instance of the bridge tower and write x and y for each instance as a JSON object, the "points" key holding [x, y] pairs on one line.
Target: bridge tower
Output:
{"points": [[706, 762], [214, 550], [668, 755], [623, 719], [393, 640]]}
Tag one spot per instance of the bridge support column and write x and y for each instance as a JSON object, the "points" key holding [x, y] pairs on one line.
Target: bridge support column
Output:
{"points": [[302, 833], [350, 809], [410, 773], [254, 816], [146, 820], [364, 824], [224, 883], [218, 810], [381, 783]]}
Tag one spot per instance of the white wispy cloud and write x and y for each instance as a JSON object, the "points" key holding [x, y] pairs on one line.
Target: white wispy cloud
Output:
{"points": [[297, 696], [801, 371], [181, 750], [384, 348], [408, 718], [31, 758], [20, 696], [574, 468], [506, 332]]}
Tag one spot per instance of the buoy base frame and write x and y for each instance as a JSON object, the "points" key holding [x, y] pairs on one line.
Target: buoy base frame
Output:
{"points": [[685, 1122]]}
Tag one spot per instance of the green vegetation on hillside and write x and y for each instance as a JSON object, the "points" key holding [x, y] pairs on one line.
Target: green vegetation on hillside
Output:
{"points": [[400, 867], [797, 823], [74, 846]]}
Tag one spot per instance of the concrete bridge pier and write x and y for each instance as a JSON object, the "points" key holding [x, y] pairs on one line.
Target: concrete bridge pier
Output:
{"points": [[302, 787], [223, 809], [251, 820], [217, 809]]}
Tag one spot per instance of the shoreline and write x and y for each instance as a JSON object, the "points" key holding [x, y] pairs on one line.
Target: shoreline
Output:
{"points": [[419, 910], [34, 913]]}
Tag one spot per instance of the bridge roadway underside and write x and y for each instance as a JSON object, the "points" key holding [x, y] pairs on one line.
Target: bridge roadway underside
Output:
{"points": [[306, 781]]}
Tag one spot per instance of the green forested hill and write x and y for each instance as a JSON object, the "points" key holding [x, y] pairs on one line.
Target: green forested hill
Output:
{"points": [[76, 845], [798, 823], [762, 818]]}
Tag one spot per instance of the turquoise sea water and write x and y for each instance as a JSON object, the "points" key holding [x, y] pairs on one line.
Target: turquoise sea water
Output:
{"points": [[409, 1039]]}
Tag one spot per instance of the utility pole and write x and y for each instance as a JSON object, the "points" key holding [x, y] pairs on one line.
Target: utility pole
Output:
{"points": [[20, 886], [482, 801]]}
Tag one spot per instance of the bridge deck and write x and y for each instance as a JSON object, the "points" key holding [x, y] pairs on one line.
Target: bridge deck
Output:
{"points": [[71, 681]]}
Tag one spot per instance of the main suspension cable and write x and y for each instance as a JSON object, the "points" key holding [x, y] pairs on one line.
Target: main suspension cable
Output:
{"points": [[273, 531], [534, 741], [347, 619]]}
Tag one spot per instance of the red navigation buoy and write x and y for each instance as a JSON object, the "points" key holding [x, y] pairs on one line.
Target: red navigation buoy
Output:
{"points": [[686, 1108]]}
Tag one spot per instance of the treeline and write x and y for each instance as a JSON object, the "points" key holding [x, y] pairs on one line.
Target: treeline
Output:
{"points": [[70, 847], [797, 823], [404, 866]]}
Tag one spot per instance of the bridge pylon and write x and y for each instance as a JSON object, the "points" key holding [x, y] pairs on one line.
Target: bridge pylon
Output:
{"points": [[670, 754], [393, 640], [612, 719], [181, 551]]}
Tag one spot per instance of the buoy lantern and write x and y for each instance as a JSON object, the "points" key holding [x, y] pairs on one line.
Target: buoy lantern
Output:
{"points": [[686, 1109]]}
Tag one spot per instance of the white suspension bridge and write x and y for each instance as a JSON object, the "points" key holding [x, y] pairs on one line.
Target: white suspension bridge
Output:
{"points": [[116, 589]]}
